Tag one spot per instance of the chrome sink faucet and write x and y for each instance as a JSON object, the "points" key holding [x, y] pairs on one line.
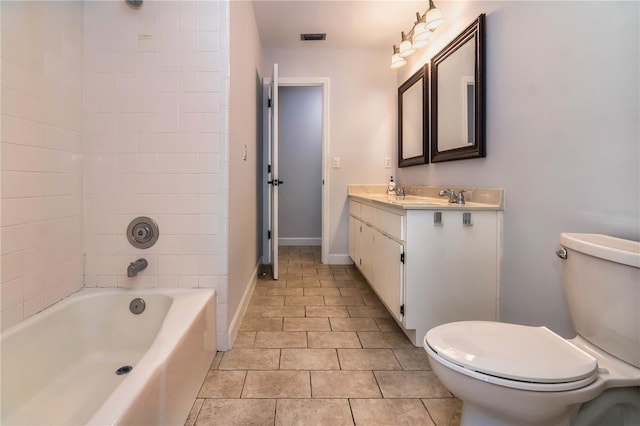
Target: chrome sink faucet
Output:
{"points": [[135, 267], [453, 197]]}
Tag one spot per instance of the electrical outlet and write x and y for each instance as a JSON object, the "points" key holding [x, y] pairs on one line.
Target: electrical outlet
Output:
{"points": [[387, 162], [336, 162], [244, 152]]}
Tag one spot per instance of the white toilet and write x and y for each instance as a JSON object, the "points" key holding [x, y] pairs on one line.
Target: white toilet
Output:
{"points": [[507, 374]]}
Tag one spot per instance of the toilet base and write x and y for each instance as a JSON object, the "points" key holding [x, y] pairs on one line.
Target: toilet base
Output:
{"points": [[476, 416], [617, 406]]}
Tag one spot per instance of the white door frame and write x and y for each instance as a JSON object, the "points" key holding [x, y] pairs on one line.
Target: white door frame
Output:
{"points": [[306, 82]]}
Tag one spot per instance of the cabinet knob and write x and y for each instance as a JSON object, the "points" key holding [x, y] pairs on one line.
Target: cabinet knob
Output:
{"points": [[466, 219]]}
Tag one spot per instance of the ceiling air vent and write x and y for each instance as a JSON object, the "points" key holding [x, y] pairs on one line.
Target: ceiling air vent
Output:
{"points": [[313, 37]]}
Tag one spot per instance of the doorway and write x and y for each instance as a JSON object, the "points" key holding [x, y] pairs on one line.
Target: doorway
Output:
{"points": [[294, 235], [300, 162]]}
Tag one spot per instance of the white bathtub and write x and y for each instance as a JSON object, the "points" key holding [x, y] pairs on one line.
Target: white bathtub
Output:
{"points": [[59, 366]]}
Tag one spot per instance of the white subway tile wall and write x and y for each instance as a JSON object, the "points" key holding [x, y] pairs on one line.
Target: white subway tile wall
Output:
{"points": [[42, 200], [109, 113]]}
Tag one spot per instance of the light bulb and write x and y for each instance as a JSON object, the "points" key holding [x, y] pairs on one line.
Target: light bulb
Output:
{"points": [[397, 61]]}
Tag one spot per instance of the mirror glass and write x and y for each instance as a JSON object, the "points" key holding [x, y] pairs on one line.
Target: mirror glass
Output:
{"points": [[412, 120], [457, 78]]}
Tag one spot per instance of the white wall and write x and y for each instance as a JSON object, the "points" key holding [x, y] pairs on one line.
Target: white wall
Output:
{"points": [[244, 129], [362, 121], [155, 136], [41, 155], [300, 165], [562, 136]]}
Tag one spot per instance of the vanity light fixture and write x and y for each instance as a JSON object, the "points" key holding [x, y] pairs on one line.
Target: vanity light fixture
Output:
{"points": [[419, 35], [406, 47], [397, 61], [433, 17]]}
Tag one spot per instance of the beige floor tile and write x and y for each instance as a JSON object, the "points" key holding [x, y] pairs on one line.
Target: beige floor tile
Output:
{"points": [[368, 359], [222, 384], [336, 283], [372, 300], [195, 410], [333, 339], [309, 359], [261, 324], [290, 276], [216, 361], [395, 412], [275, 311], [445, 412], [411, 384], [300, 283], [269, 284], [344, 384], [306, 324], [353, 291], [260, 291], [343, 300], [304, 300], [321, 291], [384, 339], [251, 359], [326, 311], [277, 384], [367, 312], [412, 358], [321, 275], [267, 300], [304, 412], [388, 324], [285, 292], [353, 324], [281, 339], [244, 340], [232, 412]]}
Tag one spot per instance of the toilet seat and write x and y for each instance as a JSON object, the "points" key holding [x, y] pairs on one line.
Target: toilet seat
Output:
{"points": [[516, 356]]}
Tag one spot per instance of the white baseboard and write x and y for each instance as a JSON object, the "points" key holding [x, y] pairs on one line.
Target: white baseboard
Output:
{"points": [[234, 326], [340, 259], [300, 241]]}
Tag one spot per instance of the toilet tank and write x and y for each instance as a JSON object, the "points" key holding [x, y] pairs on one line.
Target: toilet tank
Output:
{"points": [[601, 277]]}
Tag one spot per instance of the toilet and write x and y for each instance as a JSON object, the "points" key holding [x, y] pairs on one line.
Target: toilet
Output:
{"points": [[508, 374]]}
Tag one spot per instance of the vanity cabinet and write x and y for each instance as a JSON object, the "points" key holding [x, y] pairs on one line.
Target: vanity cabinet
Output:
{"points": [[428, 266]]}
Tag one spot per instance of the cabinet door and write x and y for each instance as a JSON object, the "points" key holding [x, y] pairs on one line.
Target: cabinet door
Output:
{"points": [[353, 227], [366, 251], [392, 284]]}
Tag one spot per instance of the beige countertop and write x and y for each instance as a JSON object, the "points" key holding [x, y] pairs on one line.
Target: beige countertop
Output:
{"points": [[428, 198]]}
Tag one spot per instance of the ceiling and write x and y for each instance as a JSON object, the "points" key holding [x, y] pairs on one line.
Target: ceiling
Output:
{"points": [[348, 23]]}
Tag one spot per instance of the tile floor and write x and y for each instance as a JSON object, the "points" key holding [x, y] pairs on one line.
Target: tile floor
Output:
{"points": [[317, 347]]}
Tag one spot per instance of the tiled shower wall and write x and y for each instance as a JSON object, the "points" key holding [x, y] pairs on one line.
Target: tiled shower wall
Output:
{"points": [[41, 155], [155, 125], [109, 113]]}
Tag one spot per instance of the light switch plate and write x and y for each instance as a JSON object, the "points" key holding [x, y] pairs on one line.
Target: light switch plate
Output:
{"points": [[387, 162], [336, 162]]}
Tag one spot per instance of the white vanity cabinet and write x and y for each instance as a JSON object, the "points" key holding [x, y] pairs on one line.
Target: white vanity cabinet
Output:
{"points": [[429, 266]]}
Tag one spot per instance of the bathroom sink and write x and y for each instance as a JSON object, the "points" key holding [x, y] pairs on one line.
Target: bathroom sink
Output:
{"points": [[417, 201]]}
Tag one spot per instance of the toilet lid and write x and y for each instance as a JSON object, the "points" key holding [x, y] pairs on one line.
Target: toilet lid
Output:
{"points": [[510, 351]]}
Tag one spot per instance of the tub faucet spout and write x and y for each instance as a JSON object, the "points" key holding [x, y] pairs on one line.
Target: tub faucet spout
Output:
{"points": [[135, 267]]}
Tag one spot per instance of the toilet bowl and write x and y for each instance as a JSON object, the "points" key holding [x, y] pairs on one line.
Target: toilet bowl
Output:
{"points": [[508, 374]]}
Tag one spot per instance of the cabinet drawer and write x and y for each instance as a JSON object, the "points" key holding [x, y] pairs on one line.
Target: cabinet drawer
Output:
{"points": [[366, 213], [354, 209], [389, 223]]}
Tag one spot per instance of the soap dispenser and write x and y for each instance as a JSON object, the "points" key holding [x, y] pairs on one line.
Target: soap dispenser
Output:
{"points": [[391, 189]]}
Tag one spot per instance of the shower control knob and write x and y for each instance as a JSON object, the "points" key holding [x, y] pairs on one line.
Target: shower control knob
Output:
{"points": [[142, 232]]}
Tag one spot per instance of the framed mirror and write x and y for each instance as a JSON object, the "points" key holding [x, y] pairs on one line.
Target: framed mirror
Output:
{"points": [[458, 97], [413, 133]]}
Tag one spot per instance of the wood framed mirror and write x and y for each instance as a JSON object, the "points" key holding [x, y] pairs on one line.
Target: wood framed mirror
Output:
{"points": [[458, 97], [413, 120]]}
